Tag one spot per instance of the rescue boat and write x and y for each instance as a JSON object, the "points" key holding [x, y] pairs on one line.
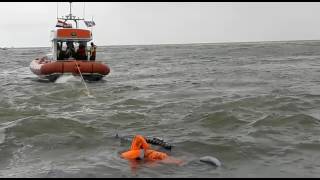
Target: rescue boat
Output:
{"points": [[59, 62]]}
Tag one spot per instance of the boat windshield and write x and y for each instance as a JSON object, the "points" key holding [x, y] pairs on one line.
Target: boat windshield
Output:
{"points": [[71, 50]]}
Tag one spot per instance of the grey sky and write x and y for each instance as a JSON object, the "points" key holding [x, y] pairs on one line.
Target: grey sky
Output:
{"points": [[28, 24]]}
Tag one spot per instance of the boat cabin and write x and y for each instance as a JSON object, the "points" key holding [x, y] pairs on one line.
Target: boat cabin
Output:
{"points": [[70, 43]]}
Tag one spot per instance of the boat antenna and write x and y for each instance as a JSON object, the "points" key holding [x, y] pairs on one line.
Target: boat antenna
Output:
{"points": [[70, 15], [57, 10], [84, 10]]}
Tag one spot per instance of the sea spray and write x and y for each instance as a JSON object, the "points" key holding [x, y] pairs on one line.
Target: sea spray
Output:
{"points": [[66, 78]]}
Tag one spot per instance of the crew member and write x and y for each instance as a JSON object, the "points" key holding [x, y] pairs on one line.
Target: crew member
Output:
{"points": [[81, 53], [93, 49]]}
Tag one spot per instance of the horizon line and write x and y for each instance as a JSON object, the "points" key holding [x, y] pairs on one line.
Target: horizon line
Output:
{"points": [[230, 42]]}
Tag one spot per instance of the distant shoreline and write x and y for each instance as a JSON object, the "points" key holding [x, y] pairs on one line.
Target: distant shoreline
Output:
{"points": [[200, 43]]}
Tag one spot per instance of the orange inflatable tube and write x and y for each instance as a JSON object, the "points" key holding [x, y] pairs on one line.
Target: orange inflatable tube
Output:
{"points": [[71, 67]]}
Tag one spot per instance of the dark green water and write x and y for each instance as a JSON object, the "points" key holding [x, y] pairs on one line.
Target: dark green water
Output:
{"points": [[254, 106]]}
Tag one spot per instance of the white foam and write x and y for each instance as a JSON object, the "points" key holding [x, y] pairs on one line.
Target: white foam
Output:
{"points": [[66, 78], [2, 135], [5, 125]]}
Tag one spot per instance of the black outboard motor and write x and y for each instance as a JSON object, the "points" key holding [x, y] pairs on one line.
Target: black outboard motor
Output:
{"points": [[151, 140], [159, 142]]}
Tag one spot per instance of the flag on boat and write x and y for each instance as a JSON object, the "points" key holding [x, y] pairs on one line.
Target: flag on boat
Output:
{"points": [[63, 24], [90, 23]]}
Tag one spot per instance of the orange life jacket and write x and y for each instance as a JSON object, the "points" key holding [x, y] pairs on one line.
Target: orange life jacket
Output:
{"points": [[140, 144]]}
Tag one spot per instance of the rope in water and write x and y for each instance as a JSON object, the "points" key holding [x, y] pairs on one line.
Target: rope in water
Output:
{"points": [[82, 78]]}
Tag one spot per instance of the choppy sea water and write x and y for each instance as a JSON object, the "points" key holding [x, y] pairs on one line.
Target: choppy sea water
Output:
{"points": [[253, 106]]}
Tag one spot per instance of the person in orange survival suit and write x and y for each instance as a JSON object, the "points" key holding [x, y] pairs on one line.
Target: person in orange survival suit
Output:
{"points": [[140, 149]]}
